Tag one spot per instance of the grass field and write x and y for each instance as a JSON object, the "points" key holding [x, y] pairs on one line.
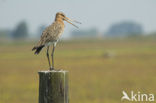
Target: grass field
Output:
{"points": [[99, 70]]}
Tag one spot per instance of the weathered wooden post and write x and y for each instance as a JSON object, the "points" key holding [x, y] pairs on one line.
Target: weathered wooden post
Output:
{"points": [[53, 86]]}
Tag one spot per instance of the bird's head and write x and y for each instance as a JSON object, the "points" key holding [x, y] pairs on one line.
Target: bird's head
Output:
{"points": [[61, 16]]}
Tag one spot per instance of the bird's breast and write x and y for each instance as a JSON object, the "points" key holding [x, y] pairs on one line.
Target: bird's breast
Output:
{"points": [[56, 30]]}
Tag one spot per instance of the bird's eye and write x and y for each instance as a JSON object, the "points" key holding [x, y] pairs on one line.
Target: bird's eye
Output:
{"points": [[62, 15]]}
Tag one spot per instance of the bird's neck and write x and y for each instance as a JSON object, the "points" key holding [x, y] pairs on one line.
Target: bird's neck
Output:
{"points": [[58, 19]]}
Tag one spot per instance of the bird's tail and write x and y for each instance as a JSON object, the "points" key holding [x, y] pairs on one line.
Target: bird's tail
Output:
{"points": [[38, 49]]}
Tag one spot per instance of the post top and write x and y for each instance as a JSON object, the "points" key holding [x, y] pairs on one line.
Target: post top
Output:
{"points": [[53, 71]]}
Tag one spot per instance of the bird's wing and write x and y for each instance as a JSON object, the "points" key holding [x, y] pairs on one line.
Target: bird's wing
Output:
{"points": [[50, 34]]}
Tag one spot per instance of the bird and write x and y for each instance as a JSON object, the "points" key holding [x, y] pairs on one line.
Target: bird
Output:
{"points": [[51, 35]]}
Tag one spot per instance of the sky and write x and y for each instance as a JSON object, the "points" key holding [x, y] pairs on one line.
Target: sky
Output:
{"points": [[91, 13]]}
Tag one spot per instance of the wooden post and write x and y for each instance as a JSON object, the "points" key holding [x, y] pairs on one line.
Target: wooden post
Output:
{"points": [[53, 86]]}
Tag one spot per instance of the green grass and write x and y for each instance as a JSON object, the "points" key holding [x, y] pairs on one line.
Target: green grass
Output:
{"points": [[98, 70]]}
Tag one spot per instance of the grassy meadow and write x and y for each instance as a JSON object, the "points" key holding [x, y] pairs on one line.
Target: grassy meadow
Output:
{"points": [[99, 70]]}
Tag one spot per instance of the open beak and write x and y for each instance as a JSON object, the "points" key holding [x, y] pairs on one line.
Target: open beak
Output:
{"points": [[70, 21]]}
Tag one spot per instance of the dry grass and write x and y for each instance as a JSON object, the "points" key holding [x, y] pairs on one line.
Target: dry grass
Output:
{"points": [[99, 70]]}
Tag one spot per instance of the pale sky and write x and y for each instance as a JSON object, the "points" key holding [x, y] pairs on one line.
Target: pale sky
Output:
{"points": [[92, 13]]}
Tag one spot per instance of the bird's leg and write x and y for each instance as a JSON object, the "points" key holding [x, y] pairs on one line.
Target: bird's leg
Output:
{"points": [[48, 57], [52, 55]]}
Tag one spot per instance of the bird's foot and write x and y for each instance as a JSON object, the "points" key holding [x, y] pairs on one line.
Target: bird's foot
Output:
{"points": [[59, 70], [51, 68]]}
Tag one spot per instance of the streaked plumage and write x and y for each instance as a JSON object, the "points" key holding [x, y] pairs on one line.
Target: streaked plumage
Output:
{"points": [[51, 35]]}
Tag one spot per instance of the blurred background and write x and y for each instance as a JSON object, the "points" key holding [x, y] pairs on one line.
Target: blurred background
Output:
{"points": [[113, 50]]}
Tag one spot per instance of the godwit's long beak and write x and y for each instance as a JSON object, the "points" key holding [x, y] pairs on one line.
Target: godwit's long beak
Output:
{"points": [[70, 21]]}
